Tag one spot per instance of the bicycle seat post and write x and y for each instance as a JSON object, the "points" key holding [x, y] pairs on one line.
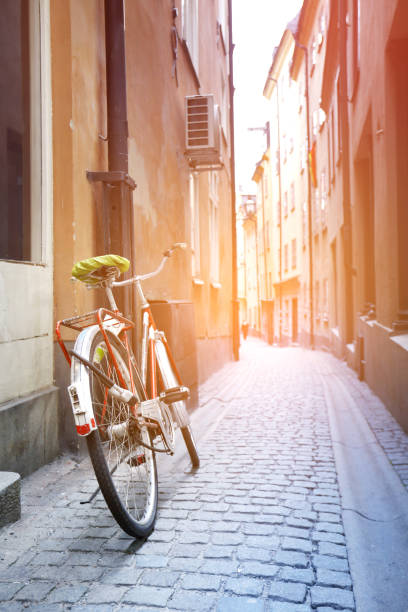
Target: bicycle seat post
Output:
{"points": [[111, 299]]}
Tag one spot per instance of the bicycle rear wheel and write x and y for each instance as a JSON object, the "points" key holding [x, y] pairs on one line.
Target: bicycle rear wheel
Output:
{"points": [[124, 467]]}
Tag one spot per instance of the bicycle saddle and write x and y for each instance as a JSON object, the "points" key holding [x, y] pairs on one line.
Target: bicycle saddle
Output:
{"points": [[95, 269]]}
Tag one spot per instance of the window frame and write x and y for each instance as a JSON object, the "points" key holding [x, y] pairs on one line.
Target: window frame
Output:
{"points": [[213, 201], [36, 156], [190, 29], [194, 194]]}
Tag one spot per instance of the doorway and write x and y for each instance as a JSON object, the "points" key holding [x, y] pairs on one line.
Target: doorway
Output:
{"points": [[294, 319]]}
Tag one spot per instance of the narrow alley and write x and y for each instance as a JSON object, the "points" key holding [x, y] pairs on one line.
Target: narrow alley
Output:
{"points": [[276, 518]]}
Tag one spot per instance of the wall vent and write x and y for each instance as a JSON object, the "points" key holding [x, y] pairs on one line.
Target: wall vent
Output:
{"points": [[202, 132]]}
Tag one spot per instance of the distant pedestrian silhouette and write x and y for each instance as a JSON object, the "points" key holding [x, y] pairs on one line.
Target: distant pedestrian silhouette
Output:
{"points": [[244, 327]]}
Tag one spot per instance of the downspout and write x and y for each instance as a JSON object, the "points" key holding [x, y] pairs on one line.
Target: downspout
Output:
{"points": [[344, 122], [116, 208], [234, 271], [116, 85], [309, 195], [280, 212], [264, 241], [120, 202], [280, 207], [255, 220]]}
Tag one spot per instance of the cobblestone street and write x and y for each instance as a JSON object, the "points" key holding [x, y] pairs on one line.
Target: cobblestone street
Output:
{"points": [[258, 527]]}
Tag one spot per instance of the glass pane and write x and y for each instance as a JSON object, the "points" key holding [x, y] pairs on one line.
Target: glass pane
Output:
{"points": [[16, 186]]}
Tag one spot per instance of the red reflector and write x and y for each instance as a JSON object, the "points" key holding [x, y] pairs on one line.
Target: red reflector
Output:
{"points": [[82, 430], [93, 422]]}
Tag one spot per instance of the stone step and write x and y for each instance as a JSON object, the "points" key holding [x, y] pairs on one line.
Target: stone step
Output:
{"points": [[10, 504]]}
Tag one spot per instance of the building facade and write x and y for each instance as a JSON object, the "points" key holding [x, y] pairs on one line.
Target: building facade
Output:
{"points": [[62, 202], [248, 261], [357, 94], [336, 168], [358, 120]]}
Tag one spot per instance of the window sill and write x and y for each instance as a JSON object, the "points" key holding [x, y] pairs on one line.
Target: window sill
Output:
{"points": [[215, 285], [401, 340], [197, 281]]}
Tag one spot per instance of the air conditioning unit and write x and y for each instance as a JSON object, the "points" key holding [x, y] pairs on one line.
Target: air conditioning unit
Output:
{"points": [[203, 132]]}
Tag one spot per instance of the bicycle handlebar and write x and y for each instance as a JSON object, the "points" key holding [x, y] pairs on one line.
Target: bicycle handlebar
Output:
{"points": [[141, 277]]}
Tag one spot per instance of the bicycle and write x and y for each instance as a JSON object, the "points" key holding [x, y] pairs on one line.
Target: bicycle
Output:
{"points": [[127, 414]]}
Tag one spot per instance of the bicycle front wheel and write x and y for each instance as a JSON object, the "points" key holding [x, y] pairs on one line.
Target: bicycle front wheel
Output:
{"points": [[169, 380], [125, 468]]}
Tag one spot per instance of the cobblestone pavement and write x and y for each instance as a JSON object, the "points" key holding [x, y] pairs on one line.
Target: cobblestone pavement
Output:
{"points": [[257, 527]]}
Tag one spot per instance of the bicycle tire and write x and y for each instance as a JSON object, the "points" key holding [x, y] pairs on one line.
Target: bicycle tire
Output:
{"points": [[191, 445], [169, 380], [125, 470]]}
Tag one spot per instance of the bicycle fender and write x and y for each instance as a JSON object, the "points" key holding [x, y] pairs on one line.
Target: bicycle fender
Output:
{"points": [[178, 408], [79, 389]]}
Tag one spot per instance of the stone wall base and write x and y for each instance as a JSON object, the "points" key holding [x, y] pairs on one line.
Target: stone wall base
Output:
{"points": [[29, 432]]}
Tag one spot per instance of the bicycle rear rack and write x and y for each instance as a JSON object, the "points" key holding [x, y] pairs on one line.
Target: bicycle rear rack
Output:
{"points": [[102, 317]]}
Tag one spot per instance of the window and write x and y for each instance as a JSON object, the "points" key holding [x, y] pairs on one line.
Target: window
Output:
{"points": [[294, 254], [189, 16], [333, 134], [213, 180], [222, 19], [325, 300], [301, 96], [265, 183], [322, 30], [304, 223], [278, 213], [285, 204], [303, 157], [315, 122], [292, 197], [20, 124], [323, 197], [317, 300], [356, 44], [284, 148], [314, 54], [338, 143], [316, 208], [224, 105], [329, 151], [195, 225], [286, 257]]}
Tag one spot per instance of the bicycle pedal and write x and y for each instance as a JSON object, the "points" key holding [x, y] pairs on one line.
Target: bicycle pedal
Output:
{"points": [[136, 461], [175, 394]]}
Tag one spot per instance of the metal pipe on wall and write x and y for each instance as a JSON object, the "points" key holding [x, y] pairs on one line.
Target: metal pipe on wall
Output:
{"points": [[234, 297], [309, 195], [120, 202]]}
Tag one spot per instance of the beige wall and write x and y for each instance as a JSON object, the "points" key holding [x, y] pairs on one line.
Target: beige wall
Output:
{"points": [[26, 350], [157, 161]]}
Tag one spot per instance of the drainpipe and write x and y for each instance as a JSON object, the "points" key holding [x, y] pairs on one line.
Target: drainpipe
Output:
{"points": [[116, 207], [344, 122], [280, 207], [116, 85], [117, 121], [120, 202], [234, 271], [309, 196]]}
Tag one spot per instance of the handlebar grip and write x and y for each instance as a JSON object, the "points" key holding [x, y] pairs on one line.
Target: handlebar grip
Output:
{"points": [[176, 245]]}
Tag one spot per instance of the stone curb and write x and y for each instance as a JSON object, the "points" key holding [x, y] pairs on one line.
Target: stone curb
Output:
{"points": [[10, 503], [374, 506]]}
